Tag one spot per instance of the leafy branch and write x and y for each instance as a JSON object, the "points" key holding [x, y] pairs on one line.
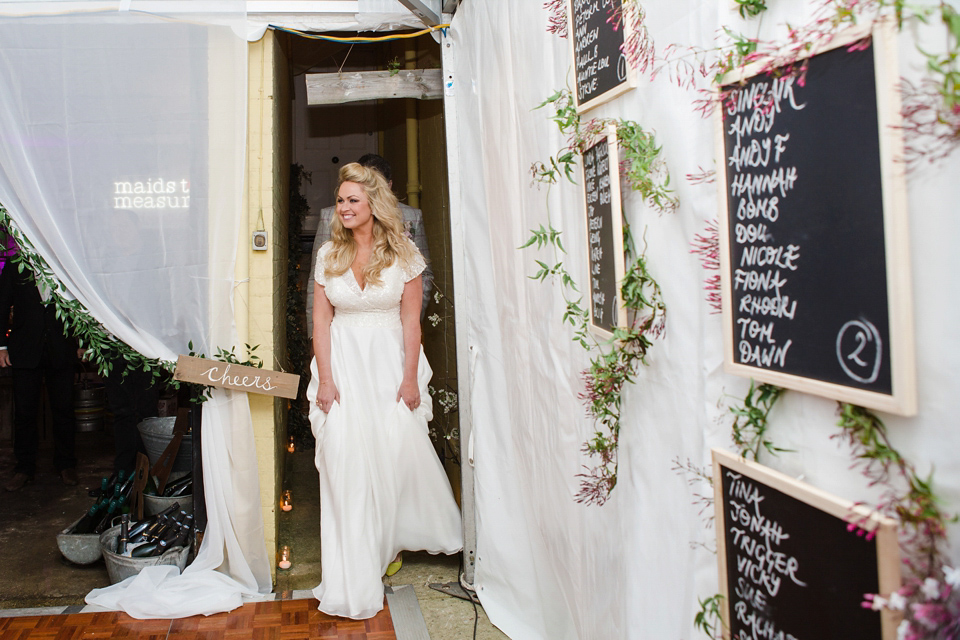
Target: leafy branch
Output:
{"points": [[751, 422], [708, 617]]}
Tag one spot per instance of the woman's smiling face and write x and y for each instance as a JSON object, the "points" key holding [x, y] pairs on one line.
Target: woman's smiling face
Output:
{"points": [[353, 207]]}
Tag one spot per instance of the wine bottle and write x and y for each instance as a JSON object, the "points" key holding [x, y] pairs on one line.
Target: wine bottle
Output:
{"points": [[144, 550], [105, 522], [178, 539], [136, 530], [173, 487], [124, 534], [89, 520], [183, 490]]}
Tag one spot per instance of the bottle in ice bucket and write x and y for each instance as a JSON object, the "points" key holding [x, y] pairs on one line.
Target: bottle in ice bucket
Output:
{"points": [[90, 520]]}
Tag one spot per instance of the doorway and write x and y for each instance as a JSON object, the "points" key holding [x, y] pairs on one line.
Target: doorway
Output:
{"points": [[410, 134]]}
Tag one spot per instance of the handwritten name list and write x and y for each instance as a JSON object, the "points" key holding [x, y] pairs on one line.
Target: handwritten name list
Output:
{"points": [[761, 179], [758, 561], [600, 230], [597, 39]]}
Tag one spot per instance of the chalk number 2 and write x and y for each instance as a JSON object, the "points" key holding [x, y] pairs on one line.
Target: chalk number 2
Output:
{"points": [[860, 350]]}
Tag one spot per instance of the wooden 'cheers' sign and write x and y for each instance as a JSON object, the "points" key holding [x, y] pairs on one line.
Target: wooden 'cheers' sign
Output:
{"points": [[236, 376]]}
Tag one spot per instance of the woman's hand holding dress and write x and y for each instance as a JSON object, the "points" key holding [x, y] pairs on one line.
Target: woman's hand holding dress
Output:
{"points": [[409, 392], [327, 394]]}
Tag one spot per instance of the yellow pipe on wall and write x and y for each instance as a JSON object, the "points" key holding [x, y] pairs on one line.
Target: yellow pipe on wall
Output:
{"points": [[413, 131]]}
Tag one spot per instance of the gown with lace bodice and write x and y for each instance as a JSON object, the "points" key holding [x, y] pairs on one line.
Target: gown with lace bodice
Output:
{"points": [[382, 487]]}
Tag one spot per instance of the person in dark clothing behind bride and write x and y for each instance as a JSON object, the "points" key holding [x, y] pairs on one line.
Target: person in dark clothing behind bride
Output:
{"points": [[382, 487], [39, 351]]}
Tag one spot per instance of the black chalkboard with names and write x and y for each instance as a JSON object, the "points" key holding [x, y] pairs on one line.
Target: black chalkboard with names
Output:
{"points": [[808, 231], [792, 566], [597, 34], [601, 179]]}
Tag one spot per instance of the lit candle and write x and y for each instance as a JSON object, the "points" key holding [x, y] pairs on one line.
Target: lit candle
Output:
{"points": [[284, 562], [290, 446], [287, 502]]}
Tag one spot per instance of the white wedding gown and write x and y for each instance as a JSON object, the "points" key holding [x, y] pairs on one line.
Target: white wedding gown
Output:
{"points": [[382, 487]]}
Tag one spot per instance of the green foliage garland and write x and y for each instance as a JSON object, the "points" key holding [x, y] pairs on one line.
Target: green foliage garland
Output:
{"points": [[103, 349]]}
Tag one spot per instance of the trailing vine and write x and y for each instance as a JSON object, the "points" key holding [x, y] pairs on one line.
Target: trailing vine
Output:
{"points": [[751, 421], [642, 167], [617, 362], [103, 349], [930, 599]]}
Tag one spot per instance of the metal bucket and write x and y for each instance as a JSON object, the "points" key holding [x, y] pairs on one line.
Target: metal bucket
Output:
{"points": [[88, 406], [80, 548], [157, 433], [120, 567]]}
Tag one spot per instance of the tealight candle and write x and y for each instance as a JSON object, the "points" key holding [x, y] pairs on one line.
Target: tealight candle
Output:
{"points": [[284, 562]]}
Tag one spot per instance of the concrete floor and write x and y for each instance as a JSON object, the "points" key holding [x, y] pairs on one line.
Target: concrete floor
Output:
{"points": [[35, 574]]}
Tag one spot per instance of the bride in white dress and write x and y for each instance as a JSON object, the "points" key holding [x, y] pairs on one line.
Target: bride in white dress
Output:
{"points": [[382, 487]]}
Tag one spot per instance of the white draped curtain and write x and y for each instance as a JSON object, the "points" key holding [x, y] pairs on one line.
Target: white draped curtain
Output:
{"points": [[122, 137]]}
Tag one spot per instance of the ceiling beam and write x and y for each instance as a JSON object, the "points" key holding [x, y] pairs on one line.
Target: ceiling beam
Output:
{"points": [[427, 10]]}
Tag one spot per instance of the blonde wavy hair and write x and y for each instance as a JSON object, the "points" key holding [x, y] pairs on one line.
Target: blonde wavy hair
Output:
{"points": [[389, 242]]}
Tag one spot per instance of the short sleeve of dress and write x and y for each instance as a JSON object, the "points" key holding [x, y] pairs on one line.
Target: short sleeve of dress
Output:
{"points": [[321, 264], [416, 266]]}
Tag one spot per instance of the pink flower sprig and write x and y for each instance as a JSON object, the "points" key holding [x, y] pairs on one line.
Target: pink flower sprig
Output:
{"points": [[707, 246], [931, 127], [929, 599], [638, 46], [557, 17]]}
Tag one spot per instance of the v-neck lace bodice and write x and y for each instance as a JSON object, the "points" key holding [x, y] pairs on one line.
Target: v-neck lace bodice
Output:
{"points": [[374, 305]]}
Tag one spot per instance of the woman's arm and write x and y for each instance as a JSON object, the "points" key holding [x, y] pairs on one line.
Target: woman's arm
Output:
{"points": [[322, 316], [410, 319]]}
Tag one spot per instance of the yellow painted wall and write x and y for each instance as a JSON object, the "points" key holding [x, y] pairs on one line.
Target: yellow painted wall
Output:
{"points": [[261, 303]]}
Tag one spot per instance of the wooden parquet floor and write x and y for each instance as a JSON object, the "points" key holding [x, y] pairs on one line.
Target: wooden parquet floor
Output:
{"points": [[277, 619]]}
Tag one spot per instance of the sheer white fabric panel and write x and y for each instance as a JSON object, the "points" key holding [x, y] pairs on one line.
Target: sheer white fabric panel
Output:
{"points": [[121, 158], [550, 568]]}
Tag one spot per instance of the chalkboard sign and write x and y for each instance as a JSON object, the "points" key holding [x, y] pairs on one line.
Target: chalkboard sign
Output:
{"points": [[790, 564], [814, 245], [601, 180], [597, 34]]}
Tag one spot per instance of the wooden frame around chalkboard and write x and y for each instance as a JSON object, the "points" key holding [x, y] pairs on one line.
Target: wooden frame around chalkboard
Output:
{"points": [[613, 151], [903, 400], [888, 549], [631, 75]]}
